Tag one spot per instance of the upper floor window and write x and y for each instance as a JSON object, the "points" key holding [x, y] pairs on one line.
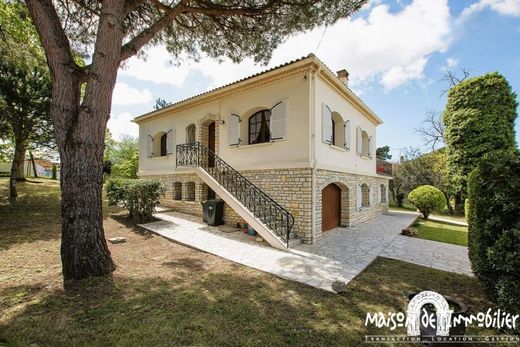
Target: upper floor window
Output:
{"points": [[259, 125], [364, 143], [161, 144], [335, 131], [190, 133]]}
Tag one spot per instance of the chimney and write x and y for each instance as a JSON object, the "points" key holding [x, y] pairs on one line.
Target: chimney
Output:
{"points": [[342, 76]]}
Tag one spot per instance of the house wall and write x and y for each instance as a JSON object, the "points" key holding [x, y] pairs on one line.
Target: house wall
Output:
{"points": [[351, 214], [291, 152], [332, 157]]}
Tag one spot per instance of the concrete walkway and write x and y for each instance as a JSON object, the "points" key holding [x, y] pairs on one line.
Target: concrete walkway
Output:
{"points": [[294, 265], [340, 255]]}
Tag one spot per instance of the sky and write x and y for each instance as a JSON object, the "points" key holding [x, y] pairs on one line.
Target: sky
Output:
{"points": [[395, 51]]}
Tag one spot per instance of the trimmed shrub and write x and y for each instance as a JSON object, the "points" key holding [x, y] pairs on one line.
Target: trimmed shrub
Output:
{"points": [[494, 227], [138, 196], [427, 199], [480, 118], [466, 209]]}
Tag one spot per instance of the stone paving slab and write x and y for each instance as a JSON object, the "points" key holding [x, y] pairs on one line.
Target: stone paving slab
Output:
{"points": [[295, 265], [340, 255], [437, 255]]}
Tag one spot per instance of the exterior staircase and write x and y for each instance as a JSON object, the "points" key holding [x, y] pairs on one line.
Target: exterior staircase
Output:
{"points": [[271, 220]]}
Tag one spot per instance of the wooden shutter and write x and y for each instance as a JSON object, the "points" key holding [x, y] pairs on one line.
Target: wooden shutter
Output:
{"points": [[170, 141], [359, 141], [149, 146], [279, 121], [326, 124], [233, 130], [358, 196], [346, 128]]}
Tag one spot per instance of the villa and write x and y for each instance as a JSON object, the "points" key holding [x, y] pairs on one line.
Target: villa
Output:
{"points": [[291, 151]]}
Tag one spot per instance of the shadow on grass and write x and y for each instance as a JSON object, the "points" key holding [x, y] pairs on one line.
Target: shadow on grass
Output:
{"points": [[239, 308]]}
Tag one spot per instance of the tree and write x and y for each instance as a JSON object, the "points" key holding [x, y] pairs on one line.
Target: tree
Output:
{"points": [[383, 153], [452, 78], [161, 103], [26, 116], [25, 88], [124, 157], [432, 130], [494, 227], [115, 30], [479, 117]]}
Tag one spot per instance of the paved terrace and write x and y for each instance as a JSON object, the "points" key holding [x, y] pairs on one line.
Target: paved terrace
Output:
{"points": [[340, 255]]}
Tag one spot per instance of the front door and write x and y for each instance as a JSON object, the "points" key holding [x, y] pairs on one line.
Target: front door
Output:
{"points": [[330, 207], [211, 144]]}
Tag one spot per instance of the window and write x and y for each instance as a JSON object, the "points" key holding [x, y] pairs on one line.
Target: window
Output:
{"points": [[365, 195], [190, 191], [383, 194], [259, 127], [338, 130], [164, 140], [159, 145], [364, 144], [190, 133], [177, 191]]}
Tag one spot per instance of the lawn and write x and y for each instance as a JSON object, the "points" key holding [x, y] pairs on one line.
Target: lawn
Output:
{"points": [[442, 232], [165, 294]]}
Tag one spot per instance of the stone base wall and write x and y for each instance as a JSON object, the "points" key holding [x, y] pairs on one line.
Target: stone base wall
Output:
{"points": [[350, 213], [291, 188]]}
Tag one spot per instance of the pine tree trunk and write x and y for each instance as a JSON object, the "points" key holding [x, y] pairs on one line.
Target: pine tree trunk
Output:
{"points": [[33, 164], [84, 251], [20, 177], [19, 156]]}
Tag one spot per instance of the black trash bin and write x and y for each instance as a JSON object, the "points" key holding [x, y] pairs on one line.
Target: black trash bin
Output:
{"points": [[213, 212]]}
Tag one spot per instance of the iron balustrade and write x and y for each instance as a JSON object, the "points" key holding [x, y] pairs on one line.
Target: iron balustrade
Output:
{"points": [[261, 205]]}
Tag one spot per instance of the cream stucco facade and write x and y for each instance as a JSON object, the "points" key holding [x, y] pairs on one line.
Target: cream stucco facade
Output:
{"points": [[320, 133]]}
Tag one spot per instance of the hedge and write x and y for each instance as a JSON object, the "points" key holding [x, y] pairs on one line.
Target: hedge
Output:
{"points": [[138, 196], [494, 227]]}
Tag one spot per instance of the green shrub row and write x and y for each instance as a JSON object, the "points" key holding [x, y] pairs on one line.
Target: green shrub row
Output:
{"points": [[494, 227], [138, 196]]}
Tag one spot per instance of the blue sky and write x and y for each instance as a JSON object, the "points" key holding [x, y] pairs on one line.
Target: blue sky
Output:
{"points": [[395, 51]]}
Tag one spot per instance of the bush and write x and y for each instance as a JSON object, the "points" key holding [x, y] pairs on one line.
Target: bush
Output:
{"points": [[427, 199], [494, 227], [138, 196], [400, 199], [466, 209]]}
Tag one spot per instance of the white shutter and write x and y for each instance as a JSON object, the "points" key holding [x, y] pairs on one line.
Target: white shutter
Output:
{"points": [[370, 144], [149, 146], [279, 121], [359, 141], [358, 196], [347, 134], [170, 141], [233, 130], [378, 190], [326, 124]]}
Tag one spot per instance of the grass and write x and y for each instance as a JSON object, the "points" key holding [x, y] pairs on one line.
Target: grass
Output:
{"points": [[442, 232], [165, 294]]}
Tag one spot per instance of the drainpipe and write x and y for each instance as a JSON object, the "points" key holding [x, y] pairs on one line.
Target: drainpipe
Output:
{"points": [[312, 129]]}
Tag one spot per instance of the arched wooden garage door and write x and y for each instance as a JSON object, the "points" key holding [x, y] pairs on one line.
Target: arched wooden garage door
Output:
{"points": [[330, 207]]}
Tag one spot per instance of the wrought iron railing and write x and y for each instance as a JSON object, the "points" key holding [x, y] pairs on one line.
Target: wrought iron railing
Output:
{"points": [[263, 207]]}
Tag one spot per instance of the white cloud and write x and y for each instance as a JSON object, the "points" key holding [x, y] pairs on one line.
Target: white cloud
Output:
{"points": [[392, 47], [126, 95], [398, 75], [503, 7], [121, 124], [451, 62]]}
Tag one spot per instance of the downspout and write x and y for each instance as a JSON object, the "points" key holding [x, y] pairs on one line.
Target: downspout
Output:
{"points": [[312, 129]]}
